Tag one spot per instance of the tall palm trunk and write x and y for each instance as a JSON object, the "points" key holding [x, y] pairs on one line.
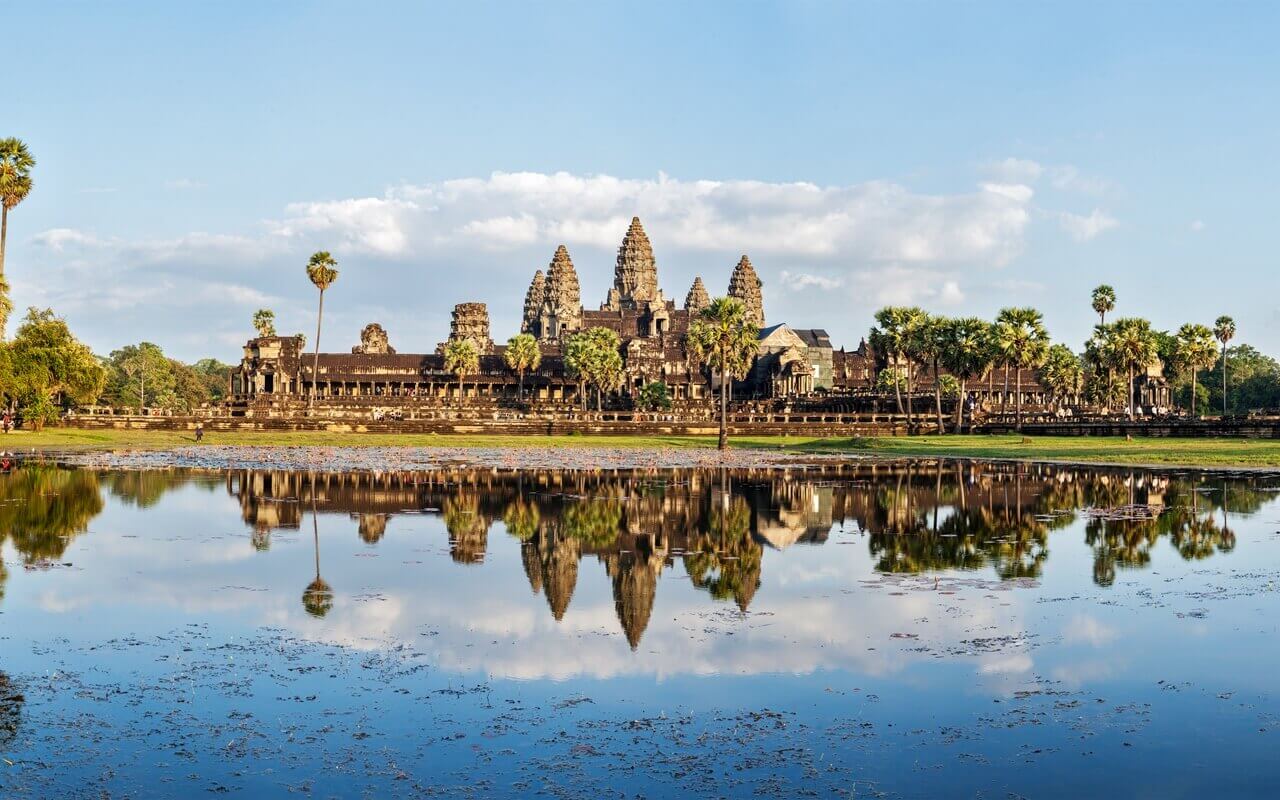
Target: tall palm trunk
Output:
{"points": [[910, 419], [315, 360], [4, 234], [960, 408], [1004, 397], [1131, 403], [1018, 399], [520, 391], [1193, 391], [897, 388], [937, 394], [723, 444], [1224, 378]]}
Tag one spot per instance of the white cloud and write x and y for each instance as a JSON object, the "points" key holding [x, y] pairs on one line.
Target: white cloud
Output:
{"points": [[371, 224], [1016, 170], [1082, 229], [798, 281], [906, 286], [1196, 225]]}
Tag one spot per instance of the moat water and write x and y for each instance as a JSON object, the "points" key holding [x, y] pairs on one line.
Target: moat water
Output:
{"points": [[897, 629]]}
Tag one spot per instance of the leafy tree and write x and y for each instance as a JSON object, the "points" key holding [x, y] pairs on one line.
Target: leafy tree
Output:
{"points": [[724, 339], [1224, 330], [16, 164], [522, 354], [1255, 380], [892, 336], [462, 359], [890, 379], [1023, 343], [967, 353], [1104, 301], [264, 322], [1061, 373], [135, 369], [322, 270], [1135, 347], [1101, 355], [47, 367], [214, 375], [1194, 350], [653, 396]]}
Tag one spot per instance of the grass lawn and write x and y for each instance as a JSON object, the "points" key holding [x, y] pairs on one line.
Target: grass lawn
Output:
{"points": [[1190, 452]]}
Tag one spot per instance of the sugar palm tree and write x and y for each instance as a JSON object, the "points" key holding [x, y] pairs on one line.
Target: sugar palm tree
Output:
{"points": [[462, 359], [1194, 350], [1224, 330], [1135, 347], [926, 342], [1061, 373], [723, 338], [322, 269], [1104, 300], [264, 322], [522, 354], [967, 353], [16, 164], [891, 337], [1023, 344]]}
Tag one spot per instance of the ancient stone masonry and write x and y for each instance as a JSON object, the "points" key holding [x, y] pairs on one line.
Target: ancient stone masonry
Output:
{"points": [[635, 277], [471, 323], [533, 301], [746, 286], [697, 299], [373, 341], [562, 306]]}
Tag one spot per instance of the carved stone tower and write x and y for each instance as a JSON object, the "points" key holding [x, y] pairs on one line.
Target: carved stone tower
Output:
{"points": [[746, 286], [697, 299], [635, 278], [562, 307], [533, 301], [471, 322]]}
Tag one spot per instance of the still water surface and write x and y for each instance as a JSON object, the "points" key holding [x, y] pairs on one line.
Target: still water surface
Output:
{"points": [[900, 629]]}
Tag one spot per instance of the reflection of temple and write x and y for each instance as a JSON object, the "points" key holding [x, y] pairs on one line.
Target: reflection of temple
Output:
{"points": [[917, 516]]}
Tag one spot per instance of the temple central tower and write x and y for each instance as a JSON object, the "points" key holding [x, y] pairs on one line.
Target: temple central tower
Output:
{"points": [[635, 277]]}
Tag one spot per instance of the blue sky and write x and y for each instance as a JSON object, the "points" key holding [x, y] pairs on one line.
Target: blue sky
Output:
{"points": [[960, 156]]}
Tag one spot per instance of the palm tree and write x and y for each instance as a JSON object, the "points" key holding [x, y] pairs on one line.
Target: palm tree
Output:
{"points": [[264, 322], [1104, 300], [1023, 343], [1061, 373], [1135, 347], [322, 270], [1224, 330], [723, 338], [16, 164], [891, 337], [317, 598], [522, 354], [462, 359], [967, 353], [1194, 350], [926, 342]]}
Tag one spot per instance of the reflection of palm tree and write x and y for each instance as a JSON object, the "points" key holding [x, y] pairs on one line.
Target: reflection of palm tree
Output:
{"points": [[317, 598], [727, 560]]}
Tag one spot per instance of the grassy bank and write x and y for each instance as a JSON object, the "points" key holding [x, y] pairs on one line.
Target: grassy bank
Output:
{"points": [[1190, 452]]}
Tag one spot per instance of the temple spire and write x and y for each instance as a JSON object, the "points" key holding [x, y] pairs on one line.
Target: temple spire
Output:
{"points": [[635, 278], [533, 300], [564, 295], [697, 299], [745, 285]]}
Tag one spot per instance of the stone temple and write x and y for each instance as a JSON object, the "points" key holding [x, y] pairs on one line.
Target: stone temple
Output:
{"points": [[794, 365]]}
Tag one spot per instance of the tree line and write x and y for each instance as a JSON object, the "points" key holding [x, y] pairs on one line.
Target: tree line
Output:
{"points": [[960, 350]]}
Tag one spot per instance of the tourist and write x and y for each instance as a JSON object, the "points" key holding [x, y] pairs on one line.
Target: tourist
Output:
{"points": [[199, 431], [7, 423]]}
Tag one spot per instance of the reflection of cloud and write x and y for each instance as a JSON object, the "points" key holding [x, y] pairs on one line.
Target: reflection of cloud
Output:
{"points": [[1083, 629]]}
